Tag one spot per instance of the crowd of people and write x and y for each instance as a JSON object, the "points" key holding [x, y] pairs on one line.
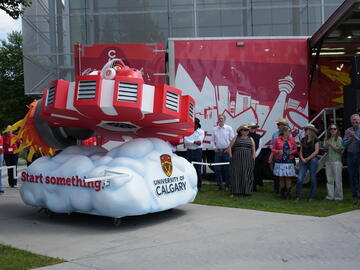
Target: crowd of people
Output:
{"points": [[237, 163]]}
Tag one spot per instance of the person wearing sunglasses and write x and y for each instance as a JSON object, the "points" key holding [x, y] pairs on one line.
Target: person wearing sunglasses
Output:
{"points": [[243, 154], [333, 163]]}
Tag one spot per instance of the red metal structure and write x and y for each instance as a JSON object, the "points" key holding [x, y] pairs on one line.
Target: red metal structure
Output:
{"points": [[112, 103]]}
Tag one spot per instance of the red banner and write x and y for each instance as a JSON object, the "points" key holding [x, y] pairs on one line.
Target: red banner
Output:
{"points": [[146, 57]]}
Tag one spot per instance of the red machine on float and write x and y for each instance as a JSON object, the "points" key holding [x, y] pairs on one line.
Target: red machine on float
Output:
{"points": [[112, 103]]}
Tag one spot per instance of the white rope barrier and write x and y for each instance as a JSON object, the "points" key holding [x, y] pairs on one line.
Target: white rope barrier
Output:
{"points": [[210, 164], [10, 167]]}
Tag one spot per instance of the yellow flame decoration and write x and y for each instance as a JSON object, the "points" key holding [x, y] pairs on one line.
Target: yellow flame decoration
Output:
{"points": [[337, 76], [29, 136]]}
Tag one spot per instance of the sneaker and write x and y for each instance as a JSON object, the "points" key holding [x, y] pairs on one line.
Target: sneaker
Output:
{"points": [[310, 200], [218, 188], [1, 191], [297, 199], [227, 189]]}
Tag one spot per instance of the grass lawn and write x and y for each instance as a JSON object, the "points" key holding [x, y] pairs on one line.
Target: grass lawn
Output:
{"points": [[266, 200], [16, 259]]}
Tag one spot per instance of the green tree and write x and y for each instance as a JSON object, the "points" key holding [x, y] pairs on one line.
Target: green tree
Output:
{"points": [[13, 7], [12, 99]]}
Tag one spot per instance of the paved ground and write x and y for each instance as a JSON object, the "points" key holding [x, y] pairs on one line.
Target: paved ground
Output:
{"points": [[188, 237]]}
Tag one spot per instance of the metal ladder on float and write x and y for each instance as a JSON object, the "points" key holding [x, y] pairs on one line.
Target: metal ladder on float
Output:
{"points": [[321, 157]]}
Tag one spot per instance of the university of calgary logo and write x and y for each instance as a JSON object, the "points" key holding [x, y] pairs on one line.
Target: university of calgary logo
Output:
{"points": [[166, 164]]}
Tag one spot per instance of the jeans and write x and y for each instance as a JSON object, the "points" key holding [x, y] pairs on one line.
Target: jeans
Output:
{"points": [[196, 155], [222, 172], [312, 166], [1, 162], [353, 162]]}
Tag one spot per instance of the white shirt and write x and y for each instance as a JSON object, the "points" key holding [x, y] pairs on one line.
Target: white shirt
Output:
{"points": [[222, 136], [198, 135]]}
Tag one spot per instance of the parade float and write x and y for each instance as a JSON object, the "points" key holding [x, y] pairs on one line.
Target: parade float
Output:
{"points": [[140, 176]]}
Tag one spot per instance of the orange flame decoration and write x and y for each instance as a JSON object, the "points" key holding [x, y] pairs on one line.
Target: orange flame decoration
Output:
{"points": [[29, 135]]}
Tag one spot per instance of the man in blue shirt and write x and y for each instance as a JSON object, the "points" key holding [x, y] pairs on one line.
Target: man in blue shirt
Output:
{"points": [[352, 144]]}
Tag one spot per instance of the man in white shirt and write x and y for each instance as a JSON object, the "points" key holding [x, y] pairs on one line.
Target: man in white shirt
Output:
{"points": [[222, 136], [194, 145]]}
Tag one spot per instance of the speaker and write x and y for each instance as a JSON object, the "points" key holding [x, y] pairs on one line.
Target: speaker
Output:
{"points": [[351, 103], [355, 71]]}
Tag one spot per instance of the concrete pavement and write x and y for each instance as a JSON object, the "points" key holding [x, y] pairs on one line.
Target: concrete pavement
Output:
{"points": [[188, 237]]}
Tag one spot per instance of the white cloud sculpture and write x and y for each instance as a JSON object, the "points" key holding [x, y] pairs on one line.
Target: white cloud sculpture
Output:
{"points": [[137, 183]]}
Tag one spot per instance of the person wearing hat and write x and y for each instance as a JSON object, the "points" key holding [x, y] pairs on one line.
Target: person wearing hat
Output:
{"points": [[333, 163], [222, 136], [352, 145], [194, 145], [242, 153], [308, 161], [1, 162], [281, 123], [258, 145], [11, 158], [284, 148]]}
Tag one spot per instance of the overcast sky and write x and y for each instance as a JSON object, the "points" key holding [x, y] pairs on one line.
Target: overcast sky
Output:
{"points": [[8, 24]]}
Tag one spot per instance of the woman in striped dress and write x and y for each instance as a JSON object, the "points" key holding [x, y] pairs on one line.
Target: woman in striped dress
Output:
{"points": [[242, 151]]}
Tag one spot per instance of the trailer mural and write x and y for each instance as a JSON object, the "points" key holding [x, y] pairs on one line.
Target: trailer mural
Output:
{"points": [[248, 80]]}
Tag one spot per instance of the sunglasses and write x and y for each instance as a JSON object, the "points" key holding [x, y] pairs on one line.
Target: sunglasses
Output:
{"points": [[244, 130], [333, 128]]}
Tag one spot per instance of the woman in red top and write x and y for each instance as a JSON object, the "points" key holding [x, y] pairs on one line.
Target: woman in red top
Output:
{"points": [[11, 159], [284, 148], [1, 162]]}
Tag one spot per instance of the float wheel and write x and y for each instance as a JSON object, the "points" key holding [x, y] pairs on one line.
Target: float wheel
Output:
{"points": [[117, 222], [46, 211]]}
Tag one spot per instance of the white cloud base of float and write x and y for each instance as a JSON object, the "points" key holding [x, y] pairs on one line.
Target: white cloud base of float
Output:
{"points": [[135, 192]]}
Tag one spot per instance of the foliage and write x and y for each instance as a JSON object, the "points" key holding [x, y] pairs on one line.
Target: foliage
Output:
{"points": [[12, 99], [13, 7], [12, 258], [265, 200]]}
